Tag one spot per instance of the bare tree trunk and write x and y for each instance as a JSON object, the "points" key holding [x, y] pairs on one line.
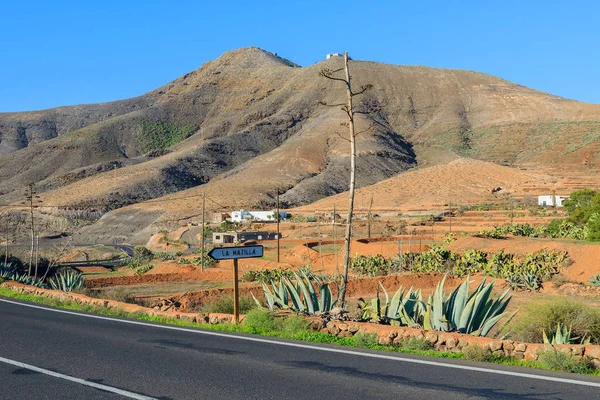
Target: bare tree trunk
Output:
{"points": [[31, 194], [341, 299], [6, 246], [37, 255]]}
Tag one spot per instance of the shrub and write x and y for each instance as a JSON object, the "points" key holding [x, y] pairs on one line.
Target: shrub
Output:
{"points": [[477, 353], [261, 321], [224, 305], [559, 361], [365, 339], [294, 324], [539, 318], [415, 344]]}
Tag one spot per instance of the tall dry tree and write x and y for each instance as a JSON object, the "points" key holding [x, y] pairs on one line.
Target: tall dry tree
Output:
{"points": [[348, 108]]}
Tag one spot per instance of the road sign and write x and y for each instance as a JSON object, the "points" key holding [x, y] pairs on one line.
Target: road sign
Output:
{"points": [[234, 253]]}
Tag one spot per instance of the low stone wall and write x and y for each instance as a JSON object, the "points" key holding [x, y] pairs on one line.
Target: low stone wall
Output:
{"points": [[452, 342], [386, 335], [210, 318]]}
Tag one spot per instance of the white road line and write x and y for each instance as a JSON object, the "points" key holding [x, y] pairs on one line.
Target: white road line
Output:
{"points": [[111, 389], [318, 348]]}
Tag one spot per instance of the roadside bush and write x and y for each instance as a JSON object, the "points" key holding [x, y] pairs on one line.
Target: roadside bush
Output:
{"points": [[477, 353], [224, 305], [365, 339], [415, 344], [294, 325], [536, 319], [261, 321], [559, 361]]}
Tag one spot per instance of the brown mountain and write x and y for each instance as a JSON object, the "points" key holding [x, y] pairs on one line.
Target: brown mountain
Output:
{"points": [[249, 122]]}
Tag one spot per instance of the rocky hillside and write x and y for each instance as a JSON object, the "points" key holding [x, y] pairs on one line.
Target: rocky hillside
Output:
{"points": [[249, 122]]}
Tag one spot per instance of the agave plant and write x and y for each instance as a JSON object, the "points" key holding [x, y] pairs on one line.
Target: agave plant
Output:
{"points": [[67, 281], [7, 270], [562, 335], [301, 293], [27, 279], [476, 313], [405, 308]]}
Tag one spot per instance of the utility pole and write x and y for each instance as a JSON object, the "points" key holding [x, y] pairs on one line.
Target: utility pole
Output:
{"points": [[277, 218], [202, 233]]}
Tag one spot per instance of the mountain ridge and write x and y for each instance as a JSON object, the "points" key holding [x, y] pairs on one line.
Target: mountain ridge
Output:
{"points": [[252, 116]]}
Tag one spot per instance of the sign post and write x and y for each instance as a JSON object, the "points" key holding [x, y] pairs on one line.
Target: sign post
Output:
{"points": [[235, 253]]}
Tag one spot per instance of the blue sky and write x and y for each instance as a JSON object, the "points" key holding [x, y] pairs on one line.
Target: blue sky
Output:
{"points": [[72, 52]]}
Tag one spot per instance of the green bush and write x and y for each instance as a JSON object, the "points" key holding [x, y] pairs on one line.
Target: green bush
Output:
{"points": [[365, 339], [477, 353], [531, 322], [261, 321], [559, 361], [415, 344], [595, 280], [294, 325], [224, 305]]}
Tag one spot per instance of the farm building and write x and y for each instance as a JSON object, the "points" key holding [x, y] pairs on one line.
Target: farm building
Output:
{"points": [[241, 237], [551, 200], [256, 216]]}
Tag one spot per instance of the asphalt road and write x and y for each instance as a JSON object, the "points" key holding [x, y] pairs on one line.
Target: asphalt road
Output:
{"points": [[141, 359]]}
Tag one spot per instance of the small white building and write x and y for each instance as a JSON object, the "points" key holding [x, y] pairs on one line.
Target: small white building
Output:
{"points": [[333, 55], [551, 200], [256, 216]]}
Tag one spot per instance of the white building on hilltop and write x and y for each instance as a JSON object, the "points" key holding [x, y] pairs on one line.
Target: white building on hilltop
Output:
{"points": [[551, 200], [256, 216]]}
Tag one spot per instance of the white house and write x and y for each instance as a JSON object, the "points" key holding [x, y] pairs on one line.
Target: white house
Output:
{"points": [[551, 200], [256, 216]]}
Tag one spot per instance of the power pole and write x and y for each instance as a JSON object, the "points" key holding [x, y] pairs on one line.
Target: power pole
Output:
{"points": [[277, 217], [202, 233]]}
